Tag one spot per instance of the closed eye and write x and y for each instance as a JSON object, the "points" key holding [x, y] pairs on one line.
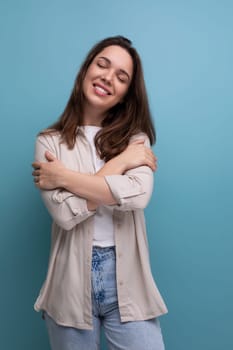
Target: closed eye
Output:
{"points": [[122, 78], [122, 75], [102, 63]]}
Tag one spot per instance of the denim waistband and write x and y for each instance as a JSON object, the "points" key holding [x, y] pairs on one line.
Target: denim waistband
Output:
{"points": [[103, 253], [103, 249]]}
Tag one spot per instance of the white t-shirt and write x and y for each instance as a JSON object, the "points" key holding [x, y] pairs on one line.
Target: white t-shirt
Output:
{"points": [[103, 220]]}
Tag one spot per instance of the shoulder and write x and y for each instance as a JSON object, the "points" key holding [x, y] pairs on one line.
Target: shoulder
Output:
{"points": [[50, 141], [141, 136], [49, 137]]}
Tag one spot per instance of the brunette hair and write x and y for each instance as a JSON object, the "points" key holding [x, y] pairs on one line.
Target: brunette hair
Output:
{"points": [[122, 121]]}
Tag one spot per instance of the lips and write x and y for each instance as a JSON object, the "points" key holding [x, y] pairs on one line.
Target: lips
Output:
{"points": [[101, 90]]}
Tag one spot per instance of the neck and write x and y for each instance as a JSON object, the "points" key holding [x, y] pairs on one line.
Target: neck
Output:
{"points": [[92, 116]]}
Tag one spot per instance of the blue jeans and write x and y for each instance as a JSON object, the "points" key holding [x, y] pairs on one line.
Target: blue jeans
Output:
{"points": [[138, 335]]}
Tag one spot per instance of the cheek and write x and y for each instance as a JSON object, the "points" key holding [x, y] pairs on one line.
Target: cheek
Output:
{"points": [[123, 91], [91, 71], [84, 86], [86, 81]]}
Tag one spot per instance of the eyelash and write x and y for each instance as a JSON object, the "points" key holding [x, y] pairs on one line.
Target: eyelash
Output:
{"points": [[101, 65], [121, 80]]}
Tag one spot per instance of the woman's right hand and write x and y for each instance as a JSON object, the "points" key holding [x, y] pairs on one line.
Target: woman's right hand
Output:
{"points": [[135, 155]]}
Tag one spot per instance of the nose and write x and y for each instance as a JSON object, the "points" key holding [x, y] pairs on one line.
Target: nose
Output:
{"points": [[107, 76]]}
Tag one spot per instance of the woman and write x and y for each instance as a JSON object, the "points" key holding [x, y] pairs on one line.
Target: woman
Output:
{"points": [[94, 168]]}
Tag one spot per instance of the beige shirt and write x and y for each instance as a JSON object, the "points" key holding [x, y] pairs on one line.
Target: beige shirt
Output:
{"points": [[66, 292]]}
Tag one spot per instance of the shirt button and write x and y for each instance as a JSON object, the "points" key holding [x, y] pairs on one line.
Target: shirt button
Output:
{"points": [[121, 283], [76, 212], [119, 255]]}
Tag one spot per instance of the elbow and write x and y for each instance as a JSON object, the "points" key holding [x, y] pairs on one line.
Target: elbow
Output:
{"points": [[145, 200], [134, 203], [132, 191], [66, 225], [66, 214], [142, 204]]}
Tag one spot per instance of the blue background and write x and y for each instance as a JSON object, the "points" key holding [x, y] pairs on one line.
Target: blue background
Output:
{"points": [[187, 52]]}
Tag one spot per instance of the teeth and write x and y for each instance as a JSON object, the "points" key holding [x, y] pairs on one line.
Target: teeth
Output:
{"points": [[101, 90]]}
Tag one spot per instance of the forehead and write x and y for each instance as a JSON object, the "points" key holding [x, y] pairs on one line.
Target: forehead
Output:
{"points": [[118, 56]]}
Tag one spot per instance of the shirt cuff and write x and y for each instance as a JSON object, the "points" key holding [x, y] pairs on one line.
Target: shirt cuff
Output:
{"points": [[77, 205], [124, 187]]}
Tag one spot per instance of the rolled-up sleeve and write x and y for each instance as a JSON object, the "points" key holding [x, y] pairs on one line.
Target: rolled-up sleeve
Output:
{"points": [[133, 189], [65, 208]]}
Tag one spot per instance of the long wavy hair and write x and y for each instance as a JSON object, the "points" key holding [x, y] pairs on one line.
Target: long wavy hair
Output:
{"points": [[122, 121]]}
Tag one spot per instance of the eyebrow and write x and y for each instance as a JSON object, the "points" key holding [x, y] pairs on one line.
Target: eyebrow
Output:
{"points": [[109, 62]]}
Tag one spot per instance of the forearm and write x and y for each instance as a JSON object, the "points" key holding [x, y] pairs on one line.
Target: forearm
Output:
{"points": [[96, 189], [91, 187], [66, 209], [115, 166]]}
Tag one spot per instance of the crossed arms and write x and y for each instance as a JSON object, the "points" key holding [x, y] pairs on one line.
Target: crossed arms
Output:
{"points": [[126, 181]]}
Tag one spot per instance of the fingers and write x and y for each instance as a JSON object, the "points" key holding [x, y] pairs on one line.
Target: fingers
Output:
{"points": [[151, 159], [138, 142], [36, 179], [36, 173], [49, 156], [140, 155], [151, 164], [36, 165]]}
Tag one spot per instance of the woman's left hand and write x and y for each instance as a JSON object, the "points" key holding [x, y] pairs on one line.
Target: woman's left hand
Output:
{"points": [[48, 175]]}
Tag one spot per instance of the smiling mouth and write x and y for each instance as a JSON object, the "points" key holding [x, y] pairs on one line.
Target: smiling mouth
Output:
{"points": [[101, 90]]}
